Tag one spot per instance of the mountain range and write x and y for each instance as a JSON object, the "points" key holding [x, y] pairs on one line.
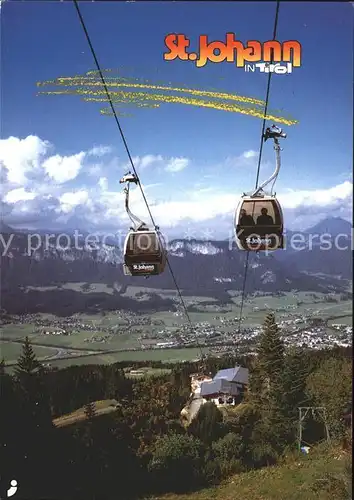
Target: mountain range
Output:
{"points": [[314, 260]]}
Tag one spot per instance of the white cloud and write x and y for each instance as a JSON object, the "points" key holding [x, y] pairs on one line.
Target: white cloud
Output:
{"points": [[21, 156], [305, 208], [212, 204], [141, 162], [99, 151], [103, 183], [317, 197], [94, 170], [73, 199], [169, 164], [94, 205], [177, 164], [64, 168], [249, 154], [199, 209], [19, 194], [148, 160]]}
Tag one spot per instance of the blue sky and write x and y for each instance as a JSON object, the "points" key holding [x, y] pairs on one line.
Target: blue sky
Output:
{"points": [[42, 41]]}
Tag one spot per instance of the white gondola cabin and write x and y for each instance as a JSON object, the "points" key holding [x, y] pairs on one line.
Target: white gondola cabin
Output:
{"points": [[259, 223], [144, 253]]}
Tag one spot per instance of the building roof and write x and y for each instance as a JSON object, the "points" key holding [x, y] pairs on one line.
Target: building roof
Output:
{"points": [[237, 374], [218, 386]]}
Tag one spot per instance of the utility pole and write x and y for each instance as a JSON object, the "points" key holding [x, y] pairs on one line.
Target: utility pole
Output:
{"points": [[303, 413]]}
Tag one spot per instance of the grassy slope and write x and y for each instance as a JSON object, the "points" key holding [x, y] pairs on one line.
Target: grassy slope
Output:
{"points": [[296, 479], [106, 405], [102, 407], [291, 481]]}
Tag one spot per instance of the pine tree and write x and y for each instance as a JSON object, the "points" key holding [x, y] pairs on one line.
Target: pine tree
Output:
{"points": [[271, 350], [31, 388], [267, 384], [295, 375], [296, 372], [26, 374], [268, 369], [27, 363]]}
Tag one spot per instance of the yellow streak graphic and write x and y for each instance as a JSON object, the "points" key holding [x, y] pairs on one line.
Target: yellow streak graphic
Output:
{"points": [[86, 87]]}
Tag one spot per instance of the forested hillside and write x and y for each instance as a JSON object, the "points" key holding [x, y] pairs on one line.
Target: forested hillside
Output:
{"points": [[140, 448]]}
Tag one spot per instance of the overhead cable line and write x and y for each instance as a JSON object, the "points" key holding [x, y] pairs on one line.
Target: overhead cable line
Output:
{"points": [[132, 163], [267, 96], [259, 158]]}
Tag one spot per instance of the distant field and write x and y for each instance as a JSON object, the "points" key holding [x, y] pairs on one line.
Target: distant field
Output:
{"points": [[138, 293], [265, 305], [76, 287], [254, 312], [11, 352], [207, 312], [133, 291], [347, 320], [17, 331], [166, 355], [173, 320], [75, 340], [146, 371]]}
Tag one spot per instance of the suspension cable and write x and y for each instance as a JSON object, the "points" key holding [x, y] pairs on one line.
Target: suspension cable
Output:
{"points": [[259, 161], [243, 291], [133, 166], [267, 96]]}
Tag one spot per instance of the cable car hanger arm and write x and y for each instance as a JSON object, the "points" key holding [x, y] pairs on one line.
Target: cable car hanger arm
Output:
{"points": [[272, 133], [138, 223]]}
